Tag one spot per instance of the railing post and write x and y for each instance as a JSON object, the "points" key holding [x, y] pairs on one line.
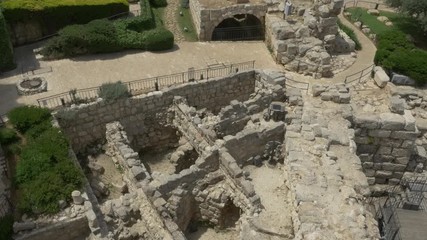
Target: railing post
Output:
{"points": [[156, 84], [231, 68], [253, 64], [207, 73]]}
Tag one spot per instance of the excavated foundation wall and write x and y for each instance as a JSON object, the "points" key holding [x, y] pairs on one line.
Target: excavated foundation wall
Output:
{"points": [[145, 118], [385, 144]]}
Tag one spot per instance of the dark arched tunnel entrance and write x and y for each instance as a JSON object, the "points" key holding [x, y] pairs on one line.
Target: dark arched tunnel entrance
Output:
{"points": [[239, 28]]}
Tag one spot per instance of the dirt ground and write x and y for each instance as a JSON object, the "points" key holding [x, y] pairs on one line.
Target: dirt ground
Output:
{"points": [[158, 161], [205, 233], [112, 177]]}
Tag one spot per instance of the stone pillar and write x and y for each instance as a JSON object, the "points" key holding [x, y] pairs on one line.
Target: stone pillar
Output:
{"points": [[77, 197]]}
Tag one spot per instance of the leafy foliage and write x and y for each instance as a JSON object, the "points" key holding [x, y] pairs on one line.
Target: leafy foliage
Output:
{"points": [[415, 8], [6, 50], [55, 14], [44, 173], [25, 117], [6, 227], [8, 136], [113, 91], [396, 53], [102, 36], [158, 3]]}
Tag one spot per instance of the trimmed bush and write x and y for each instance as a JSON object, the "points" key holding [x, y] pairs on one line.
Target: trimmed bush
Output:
{"points": [[159, 39], [396, 53], [8, 136], [350, 33], [6, 227], [6, 49], [102, 36], [158, 3], [25, 117], [55, 14], [113, 91]]}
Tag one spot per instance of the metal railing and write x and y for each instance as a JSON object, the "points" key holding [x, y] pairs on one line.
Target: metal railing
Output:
{"points": [[297, 84], [141, 86], [31, 71], [238, 33], [350, 79]]}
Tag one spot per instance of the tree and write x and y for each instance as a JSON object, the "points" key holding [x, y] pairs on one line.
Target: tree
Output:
{"points": [[415, 8], [6, 49]]}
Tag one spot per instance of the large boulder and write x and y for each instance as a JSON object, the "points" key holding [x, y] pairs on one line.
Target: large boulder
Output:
{"points": [[381, 78]]}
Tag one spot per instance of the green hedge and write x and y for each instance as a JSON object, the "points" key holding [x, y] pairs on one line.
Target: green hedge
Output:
{"points": [[113, 91], [25, 117], [6, 49], [55, 14], [44, 173], [6, 227], [102, 36], [158, 3], [396, 53], [8, 136]]}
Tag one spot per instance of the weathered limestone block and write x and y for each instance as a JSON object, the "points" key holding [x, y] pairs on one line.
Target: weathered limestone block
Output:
{"points": [[381, 78], [391, 121], [77, 197], [368, 121], [397, 104], [374, 12]]}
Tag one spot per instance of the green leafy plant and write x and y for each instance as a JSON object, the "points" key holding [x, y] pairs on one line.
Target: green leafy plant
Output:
{"points": [[25, 117], [53, 15], [6, 227], [113, 91], [158, 3], [6, 49], [8, 136]]}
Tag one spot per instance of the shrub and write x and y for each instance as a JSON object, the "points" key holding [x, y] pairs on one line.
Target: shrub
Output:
{"points": [[6, 50], [158, 3], [6, 227], [8, 136], [25, 117], [44, 173], [159, 39], [53, 15], [351, 34], [113, 91], [396, 53]]}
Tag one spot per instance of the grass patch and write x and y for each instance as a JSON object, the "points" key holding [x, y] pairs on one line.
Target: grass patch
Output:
{"points": [[361, 14], [351, 34], [401, 22], [186, 20]]}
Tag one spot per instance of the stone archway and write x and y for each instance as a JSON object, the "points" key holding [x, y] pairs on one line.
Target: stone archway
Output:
{"points": [[239, 27]]}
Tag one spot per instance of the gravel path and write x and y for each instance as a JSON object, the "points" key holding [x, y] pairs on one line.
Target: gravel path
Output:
{"points": [[171, 21]]}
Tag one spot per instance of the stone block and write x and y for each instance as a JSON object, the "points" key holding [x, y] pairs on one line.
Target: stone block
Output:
{"points": [[379, 133], [380, 180], [367, 165], [138, 172], [367, 149], [371, 180], [397, 105], [404, 135], [409, 120], [393, 181], [421, 124], [384, 150], [398, 175], [374, 12], [391, 121], [368, 121], [369, 172], [401, 152], [344, 97], [402, 160], [381, 78], [383, 174], [23, 226]]}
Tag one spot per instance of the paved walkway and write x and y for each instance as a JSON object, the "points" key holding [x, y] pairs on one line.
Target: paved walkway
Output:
{"points": [[94, 70], [171, 21]]}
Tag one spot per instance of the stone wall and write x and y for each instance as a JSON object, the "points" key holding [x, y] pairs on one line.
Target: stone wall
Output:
{"points": [[251, 142], [385, 144], [70, 229], [4, 185], [206, 19], [145, 118]]}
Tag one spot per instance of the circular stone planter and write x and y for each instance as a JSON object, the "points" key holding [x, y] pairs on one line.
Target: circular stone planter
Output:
{"points": [[29, 86]]}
